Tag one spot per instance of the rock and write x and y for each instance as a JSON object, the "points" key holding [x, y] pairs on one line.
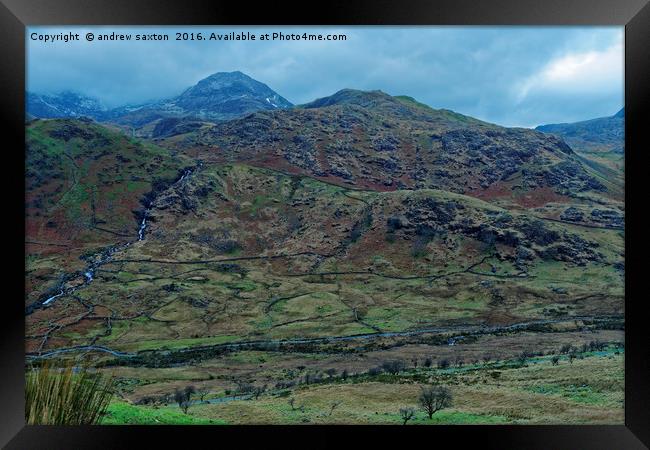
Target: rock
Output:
{"points": [[608, 217], [572, 214], [524, 254], [397, 222], [536, 231]]}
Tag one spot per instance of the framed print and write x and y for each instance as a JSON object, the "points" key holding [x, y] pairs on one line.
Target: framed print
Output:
{"points": [[383, 222]]}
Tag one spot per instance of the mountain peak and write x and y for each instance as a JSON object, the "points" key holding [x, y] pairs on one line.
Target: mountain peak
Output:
{"points": [[226, 95], [233, 74], [229, 80], [228, 77], [351, 97], [63, 104]]}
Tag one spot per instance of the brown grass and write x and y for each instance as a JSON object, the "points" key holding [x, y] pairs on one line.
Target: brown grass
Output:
{"points": [[66, 397]]}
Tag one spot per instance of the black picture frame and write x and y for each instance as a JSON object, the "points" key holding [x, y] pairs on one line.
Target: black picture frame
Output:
{"points": [[15, 15]]}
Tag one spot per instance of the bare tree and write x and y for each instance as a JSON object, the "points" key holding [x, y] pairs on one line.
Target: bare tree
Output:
{"points": [[435, 398], [566, 348], [443, 364], [393, 367], [184, 397], [258, 390], [330, 372], [243, 387], [292, 403], [202, 392], [406, 414], [333, 406], [523, 358]]}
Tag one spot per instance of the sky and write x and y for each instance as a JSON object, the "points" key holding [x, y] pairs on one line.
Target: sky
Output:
{"points": [[512, 76]]}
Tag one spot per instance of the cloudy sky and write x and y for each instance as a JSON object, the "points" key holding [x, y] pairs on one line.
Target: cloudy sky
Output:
{"points": [[513, 76]]}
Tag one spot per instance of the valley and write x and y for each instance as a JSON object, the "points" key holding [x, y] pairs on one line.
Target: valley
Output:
{"points": [[320, 263]]}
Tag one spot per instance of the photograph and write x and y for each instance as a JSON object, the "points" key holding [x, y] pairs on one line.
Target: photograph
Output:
{"points": [[325, 225]]}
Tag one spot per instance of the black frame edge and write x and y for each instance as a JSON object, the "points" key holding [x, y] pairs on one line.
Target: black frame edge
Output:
{"points": [[341, 12], [12, 113], [637, 337], [633, 13], [487, 437]]}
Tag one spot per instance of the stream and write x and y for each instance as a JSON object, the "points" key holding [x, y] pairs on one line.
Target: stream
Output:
{"points": [[99, 259], [462, 333], [143, 224]]}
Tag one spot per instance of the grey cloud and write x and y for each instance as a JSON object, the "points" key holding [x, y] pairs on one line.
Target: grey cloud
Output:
{"points": [[472, 70]]}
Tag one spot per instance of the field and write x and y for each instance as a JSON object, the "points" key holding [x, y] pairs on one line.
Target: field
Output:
{"points": [[495, 392]]}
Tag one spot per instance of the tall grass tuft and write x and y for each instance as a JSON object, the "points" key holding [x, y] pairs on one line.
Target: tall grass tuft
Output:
{"points": [[66, 396]]}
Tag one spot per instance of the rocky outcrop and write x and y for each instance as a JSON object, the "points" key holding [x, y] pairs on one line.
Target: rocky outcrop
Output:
{"points": [[572, 214], [381, 142], [529, 238], [608, 217]]}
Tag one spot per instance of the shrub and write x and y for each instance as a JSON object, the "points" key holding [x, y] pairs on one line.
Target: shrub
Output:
{"points": [[406, 414]]}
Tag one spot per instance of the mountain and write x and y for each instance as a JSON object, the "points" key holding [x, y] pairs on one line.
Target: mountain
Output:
{"points": [[64, 104], [221, 96], [602, 135], [371, 140], [227, 95], [235, 251]]}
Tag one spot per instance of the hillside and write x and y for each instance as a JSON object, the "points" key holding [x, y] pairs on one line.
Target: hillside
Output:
{"points": [[599, 142], [370, 140], [602, 135], [229, 241], [85, 187]]}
